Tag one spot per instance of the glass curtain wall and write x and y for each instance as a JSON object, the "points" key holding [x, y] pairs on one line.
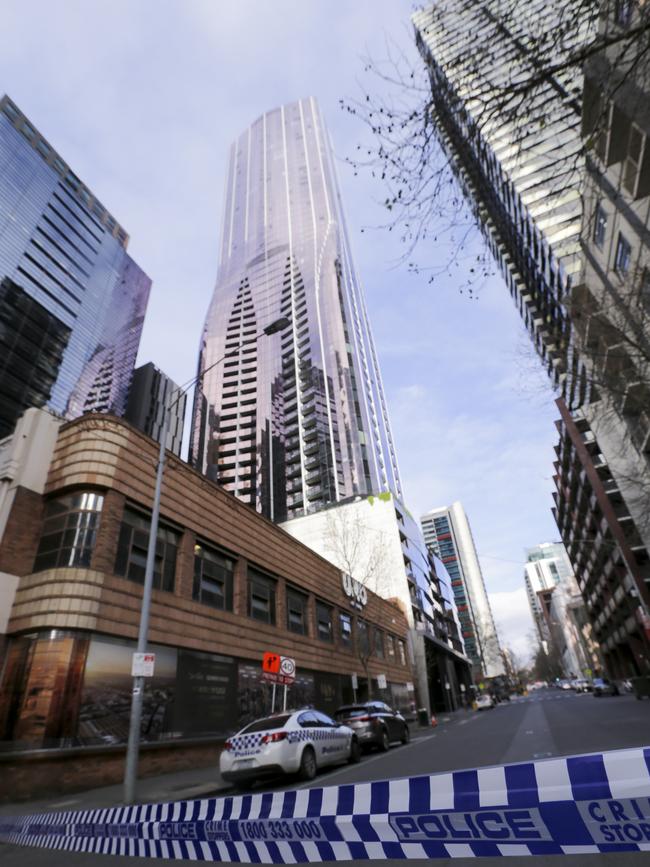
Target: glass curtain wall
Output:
{"points": [[297, 420]]}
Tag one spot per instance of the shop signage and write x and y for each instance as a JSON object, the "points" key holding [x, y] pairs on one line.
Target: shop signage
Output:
{"points": [[354, 590], [381, 681], [278, 669], [355, 681], [142, 664]]}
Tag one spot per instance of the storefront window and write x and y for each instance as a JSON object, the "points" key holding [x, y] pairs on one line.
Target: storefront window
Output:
{"points": [[69, 531], [345, 624], [297, 612], [324, 621], [261, 597], [132, 551], [213, 577]]}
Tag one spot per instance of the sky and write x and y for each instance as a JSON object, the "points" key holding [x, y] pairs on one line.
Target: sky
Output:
{"points": [[143, 98]]}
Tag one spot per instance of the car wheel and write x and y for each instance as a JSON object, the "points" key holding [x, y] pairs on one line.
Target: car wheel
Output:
{"points": [[355, 752], [406, 735], [307, 765], [384, 743]]}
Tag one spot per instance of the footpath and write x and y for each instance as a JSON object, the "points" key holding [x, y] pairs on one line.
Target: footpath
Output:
{"points": [[205, 782]]}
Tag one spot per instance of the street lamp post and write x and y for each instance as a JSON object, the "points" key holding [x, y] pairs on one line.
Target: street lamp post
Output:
{"points": [[137, 694]]}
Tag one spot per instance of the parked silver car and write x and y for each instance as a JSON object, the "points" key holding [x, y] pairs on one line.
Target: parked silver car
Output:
{"points": [[374, 723]]}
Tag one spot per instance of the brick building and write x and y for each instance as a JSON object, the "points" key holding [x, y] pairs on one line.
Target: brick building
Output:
{"points": [[229, 585]]}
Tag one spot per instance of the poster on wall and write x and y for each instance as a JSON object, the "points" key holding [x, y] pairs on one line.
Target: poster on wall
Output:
{"points": [[206, 693], [105, 704]]}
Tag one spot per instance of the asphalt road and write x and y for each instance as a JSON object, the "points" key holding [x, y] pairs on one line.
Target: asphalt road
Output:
{"points": [[546, 723]]}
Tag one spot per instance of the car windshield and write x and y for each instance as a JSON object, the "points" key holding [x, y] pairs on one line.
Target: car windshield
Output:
{"points": [[351, 712], [270, 722]]}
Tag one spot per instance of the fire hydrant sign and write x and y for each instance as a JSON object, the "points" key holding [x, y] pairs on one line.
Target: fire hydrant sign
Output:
{"points": [[278, 669], [142, 664]]}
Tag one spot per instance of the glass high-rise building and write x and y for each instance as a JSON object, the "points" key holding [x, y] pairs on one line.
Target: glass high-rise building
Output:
{"points": [[72, 301], [448, 535], [521, 166], [297, 420]]}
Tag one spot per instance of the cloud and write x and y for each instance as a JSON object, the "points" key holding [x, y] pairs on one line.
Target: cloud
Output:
{"points": [[514, 622]]}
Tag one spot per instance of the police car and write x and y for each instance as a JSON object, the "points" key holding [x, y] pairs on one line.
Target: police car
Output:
{"points": [[296, 742]]}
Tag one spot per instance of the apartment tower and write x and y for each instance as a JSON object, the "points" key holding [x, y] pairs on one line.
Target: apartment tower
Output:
{"points": [[72, 301], [296, 420], [448, 535], [553, 156]]}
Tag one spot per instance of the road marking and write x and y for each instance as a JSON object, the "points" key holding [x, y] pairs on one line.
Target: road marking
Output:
{"points": [[374, 758]]}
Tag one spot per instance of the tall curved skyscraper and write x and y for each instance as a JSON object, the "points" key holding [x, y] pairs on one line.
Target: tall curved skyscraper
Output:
{"points": [[293, 421]]}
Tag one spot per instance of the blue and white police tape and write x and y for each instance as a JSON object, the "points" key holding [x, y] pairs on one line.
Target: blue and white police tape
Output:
{"points": [[589, 803]]}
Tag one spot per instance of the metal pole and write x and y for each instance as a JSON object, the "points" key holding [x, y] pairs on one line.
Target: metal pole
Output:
{"points": [[133, 746], [273, 700], [284, 703]]}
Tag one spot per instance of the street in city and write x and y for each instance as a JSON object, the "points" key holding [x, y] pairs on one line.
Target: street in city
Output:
{"points": [[546, 723]]}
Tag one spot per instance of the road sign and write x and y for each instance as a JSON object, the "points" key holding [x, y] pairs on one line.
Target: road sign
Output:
{"points": [[355, 681], [381, 681], [142, 664], [409, 686], [272, 677], [287, 666], [271, 663], [278, 669]]}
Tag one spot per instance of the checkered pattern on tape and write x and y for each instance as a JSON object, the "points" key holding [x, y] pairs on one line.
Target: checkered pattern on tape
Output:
{"points": [[354, 818]]}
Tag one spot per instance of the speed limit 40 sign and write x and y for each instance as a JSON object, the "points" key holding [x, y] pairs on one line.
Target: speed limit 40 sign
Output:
{"points": [[287, 666]]}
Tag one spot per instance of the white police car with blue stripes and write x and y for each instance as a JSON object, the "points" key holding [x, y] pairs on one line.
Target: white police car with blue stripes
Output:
{"points": [[296, 742]]}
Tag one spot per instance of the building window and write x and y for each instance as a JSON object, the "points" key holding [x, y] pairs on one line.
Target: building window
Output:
{"points": [[213, 577], [390, 646], [378, 641], [623, 256], [623, 12], [324, 621], [28, 131], [69, 531], [600, 226], [402, 651], [261, 597], [633, 158], [644, 289], [132, 547], [363, 638], [297, 612], [345, 625]]}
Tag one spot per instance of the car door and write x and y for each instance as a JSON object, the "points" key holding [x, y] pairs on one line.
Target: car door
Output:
{"points": [[335, 738], [313, 732], [387, 718]]}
